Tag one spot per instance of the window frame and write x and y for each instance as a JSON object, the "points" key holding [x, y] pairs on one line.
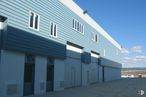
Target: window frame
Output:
{"points": [[78, 26], [53, 33], [104, 52], [34, 21], [95, 37]]}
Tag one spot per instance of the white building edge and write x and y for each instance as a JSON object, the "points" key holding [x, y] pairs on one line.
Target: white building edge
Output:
{"points": [[76, 9]]}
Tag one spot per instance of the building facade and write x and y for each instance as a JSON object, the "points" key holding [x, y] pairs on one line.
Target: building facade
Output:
{"points": [[52, 45]]}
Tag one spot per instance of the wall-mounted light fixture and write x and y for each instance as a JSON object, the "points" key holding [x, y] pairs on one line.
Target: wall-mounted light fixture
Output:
{"points": [[85, 12], [3, 22]]}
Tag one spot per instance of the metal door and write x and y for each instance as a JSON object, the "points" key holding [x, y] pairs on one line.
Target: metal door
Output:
{"points": [[50, 78], [29, 73], [73, 77]]}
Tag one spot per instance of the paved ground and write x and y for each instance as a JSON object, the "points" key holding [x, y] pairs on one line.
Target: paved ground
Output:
{"points": [[119, 88]]}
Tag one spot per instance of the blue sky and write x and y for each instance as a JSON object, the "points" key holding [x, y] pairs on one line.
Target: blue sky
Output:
{"points": [[125, 21]]}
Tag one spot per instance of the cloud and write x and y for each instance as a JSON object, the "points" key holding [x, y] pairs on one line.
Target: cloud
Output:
{"points": [[134, 61], [140, 58], [134, 49], [133, 57], [125, 51], [137, 49]]}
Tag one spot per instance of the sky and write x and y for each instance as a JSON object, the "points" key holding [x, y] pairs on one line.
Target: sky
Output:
{"points": [[125, 21]]}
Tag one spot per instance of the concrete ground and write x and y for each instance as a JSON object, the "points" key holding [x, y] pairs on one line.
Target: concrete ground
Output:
{"points": [[118, 88]]}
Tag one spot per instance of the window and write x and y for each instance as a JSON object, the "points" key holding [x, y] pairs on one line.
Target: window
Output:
{"points": [[82, 29], [73, 23], [34, 21], [104, 53], [31, 19], [53, 32], [78, 26], [95, 37]]}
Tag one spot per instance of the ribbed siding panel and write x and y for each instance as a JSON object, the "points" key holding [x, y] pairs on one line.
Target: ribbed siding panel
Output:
{"points": [[86, 57], [19, 40], [110, 63], [54, 11]]}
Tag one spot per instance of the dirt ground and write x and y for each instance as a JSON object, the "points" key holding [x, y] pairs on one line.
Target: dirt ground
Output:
{"points": [[134, 87]]}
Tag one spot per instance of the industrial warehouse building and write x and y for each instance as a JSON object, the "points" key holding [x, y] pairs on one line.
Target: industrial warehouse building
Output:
{"points": [[52, 45]]}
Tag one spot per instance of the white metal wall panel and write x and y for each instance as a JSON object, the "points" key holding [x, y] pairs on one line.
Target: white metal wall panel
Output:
{"points": [[93, 72], [40, 74], [72, 72], [111, 73], [73, 69], [59, 74], [12, 71]]}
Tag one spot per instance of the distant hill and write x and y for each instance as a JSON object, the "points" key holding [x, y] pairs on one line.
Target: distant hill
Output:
{"points": [[134, 71], [133, 68]]}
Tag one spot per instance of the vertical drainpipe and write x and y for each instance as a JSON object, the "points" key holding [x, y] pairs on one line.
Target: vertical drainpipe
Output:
{"points": [[81, 73], [81, 68], [99, 64]]}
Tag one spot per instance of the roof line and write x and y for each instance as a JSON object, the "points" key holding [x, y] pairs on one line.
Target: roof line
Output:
{"points": [[76, 9]]}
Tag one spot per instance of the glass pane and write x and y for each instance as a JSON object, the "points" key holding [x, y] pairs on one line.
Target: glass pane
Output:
{"points": [[73, 23], [36, 22], [80, 29], [31, 19], [78, 26], [96, 38], [55, 29], [51, 28], [28, 73]]}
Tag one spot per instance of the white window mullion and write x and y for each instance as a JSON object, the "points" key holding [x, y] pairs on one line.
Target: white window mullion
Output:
{"points": [[34, 21], [82, 29], [77, 26], [92, 36], [38, 23], [56, 30], [53, 30], [104, 52]]}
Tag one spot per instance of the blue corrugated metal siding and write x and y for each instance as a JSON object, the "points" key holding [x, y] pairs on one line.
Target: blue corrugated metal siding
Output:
{"points": [[86, 57], [54, 11], [109, 63], [0, 39], [19, 40]]}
